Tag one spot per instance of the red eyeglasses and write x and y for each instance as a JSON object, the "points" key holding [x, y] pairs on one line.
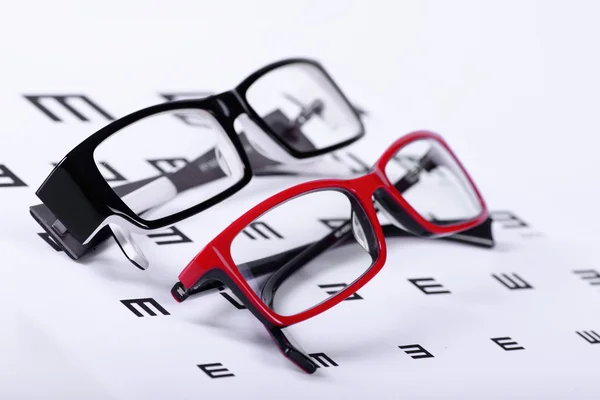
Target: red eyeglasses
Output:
{"points": [[330, 231]]}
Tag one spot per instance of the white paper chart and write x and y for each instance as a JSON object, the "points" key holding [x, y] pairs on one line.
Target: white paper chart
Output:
{"points": [[441, 320]]}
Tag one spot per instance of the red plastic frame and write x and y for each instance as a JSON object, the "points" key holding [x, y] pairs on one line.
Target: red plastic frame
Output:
{"points": [[217, 254]]}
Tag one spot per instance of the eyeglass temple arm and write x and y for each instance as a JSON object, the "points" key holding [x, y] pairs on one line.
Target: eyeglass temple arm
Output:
{"points": [[300, 259]]}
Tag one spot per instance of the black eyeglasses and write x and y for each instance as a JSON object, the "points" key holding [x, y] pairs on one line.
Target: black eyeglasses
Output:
{"points": [[286, 112]]}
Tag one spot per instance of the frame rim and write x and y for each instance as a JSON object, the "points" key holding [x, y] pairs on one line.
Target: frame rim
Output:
{"points": [[242, 90], [217, 253], [100, 195], [429, 226]]}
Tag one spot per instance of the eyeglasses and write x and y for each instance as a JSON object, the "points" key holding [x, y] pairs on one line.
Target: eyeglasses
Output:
{"points": [[288, 112], [334, 235]]}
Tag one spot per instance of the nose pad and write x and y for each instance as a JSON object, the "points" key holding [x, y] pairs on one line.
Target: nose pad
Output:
{"points": [[255, 136], [129, 247], [264, 144], [359, 233], [393, 212], [388, 216], [226, 154], [222, 162]]}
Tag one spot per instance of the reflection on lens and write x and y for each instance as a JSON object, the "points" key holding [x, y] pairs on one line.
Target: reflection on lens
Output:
{"points": [[175, 163], [306, 250], [431, 181], [303, 107]]}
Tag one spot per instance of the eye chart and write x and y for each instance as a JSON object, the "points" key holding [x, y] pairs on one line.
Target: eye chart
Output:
{"points": [[509, 93]]}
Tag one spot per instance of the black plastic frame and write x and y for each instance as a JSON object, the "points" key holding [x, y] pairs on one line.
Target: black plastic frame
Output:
{"points": [[76, 194]]}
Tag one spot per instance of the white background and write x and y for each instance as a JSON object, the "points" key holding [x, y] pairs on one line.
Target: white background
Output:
{"points": [[513, 86]]}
